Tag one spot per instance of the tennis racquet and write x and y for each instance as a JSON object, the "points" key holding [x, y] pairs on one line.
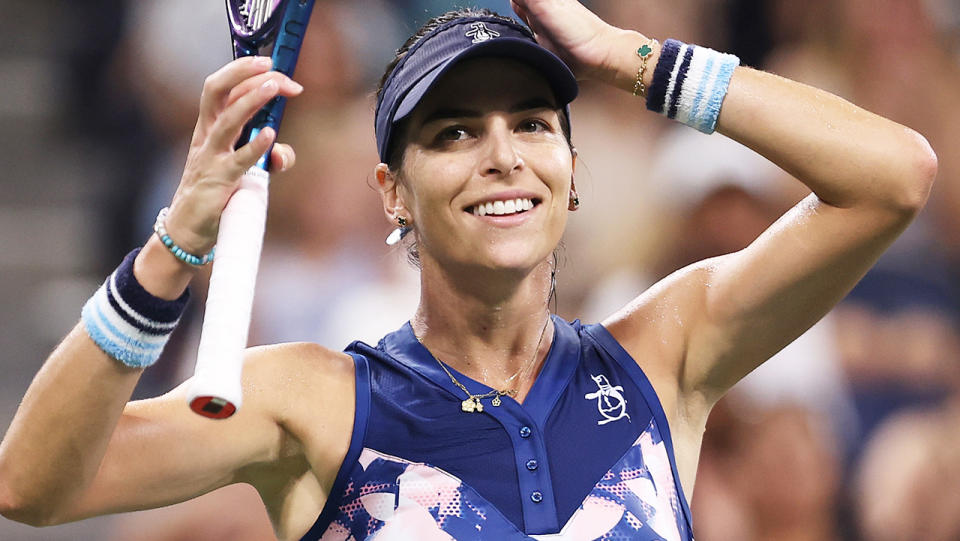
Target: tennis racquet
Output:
{"points": [[256, 26]]}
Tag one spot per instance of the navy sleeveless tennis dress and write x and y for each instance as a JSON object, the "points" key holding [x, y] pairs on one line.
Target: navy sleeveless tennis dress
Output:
{"points": [[588, 454]]}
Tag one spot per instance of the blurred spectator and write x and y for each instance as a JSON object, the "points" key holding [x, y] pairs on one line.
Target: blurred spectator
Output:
{"points": [[789, 474], [906, 485], [719, 507], [897, 335], [767, 474]]}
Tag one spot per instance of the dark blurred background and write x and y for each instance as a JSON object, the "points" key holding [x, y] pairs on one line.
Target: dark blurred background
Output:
{"points": [[849, 433]]}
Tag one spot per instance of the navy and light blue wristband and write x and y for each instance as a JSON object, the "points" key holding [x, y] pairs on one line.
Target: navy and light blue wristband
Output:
{"points": [[126, 321], [689, 84]]}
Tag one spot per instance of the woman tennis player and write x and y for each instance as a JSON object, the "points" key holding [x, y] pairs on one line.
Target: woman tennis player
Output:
{"points": [[485, 417]]}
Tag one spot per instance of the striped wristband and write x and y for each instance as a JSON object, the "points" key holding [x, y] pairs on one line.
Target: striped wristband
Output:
{"points": [[126, 321], [689, 84]]}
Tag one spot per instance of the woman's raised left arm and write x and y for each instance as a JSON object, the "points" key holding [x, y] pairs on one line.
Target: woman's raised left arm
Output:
{"points": [[869, 177]]}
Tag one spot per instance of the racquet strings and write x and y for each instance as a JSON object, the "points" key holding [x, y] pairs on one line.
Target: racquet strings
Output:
{"points": [[256, 12]]}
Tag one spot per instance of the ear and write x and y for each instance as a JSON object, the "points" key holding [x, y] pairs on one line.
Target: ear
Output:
{"points": [[574, 203], [390, 195]]}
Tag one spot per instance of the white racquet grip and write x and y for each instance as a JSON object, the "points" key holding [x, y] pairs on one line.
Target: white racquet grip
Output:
{"points": [[216, 389]]}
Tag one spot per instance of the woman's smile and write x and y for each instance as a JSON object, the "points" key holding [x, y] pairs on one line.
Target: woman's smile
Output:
{"points": [[500, 164]]}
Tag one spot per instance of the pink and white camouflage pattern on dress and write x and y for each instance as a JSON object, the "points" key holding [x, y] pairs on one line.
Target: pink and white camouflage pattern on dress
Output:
{"points": [[391, 499]]}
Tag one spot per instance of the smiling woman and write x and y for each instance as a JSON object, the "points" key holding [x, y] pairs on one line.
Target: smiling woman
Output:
{"points": [[485, 416], [462, 169]]}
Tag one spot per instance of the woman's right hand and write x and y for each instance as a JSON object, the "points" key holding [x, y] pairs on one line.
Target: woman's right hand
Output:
{"points": [[231, 96]]}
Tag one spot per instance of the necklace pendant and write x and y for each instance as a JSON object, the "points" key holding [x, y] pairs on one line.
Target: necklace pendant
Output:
{"points": [[496, 401], [479, 404], [467, 405]]}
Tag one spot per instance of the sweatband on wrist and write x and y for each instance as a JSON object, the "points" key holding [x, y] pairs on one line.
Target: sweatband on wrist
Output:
{"points": [[126, 321], [689, 84]]}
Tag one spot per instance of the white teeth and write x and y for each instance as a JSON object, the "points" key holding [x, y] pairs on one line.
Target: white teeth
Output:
{"points": [[501, 208]]}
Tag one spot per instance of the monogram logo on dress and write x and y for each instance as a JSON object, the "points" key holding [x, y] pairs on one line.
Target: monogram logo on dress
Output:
{"points": [[480, 33], [610, 401]]}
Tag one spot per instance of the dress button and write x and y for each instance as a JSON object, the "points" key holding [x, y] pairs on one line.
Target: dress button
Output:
{"points": [[536, 496], [531, 464], [525, 432]]}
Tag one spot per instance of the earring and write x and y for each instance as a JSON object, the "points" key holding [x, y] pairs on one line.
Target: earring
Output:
{"points": [[397, 234], [574, 203]]}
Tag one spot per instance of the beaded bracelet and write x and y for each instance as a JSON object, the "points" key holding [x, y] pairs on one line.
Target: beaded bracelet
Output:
{"points": [[689, 84], [126, 321], [160, 228]]}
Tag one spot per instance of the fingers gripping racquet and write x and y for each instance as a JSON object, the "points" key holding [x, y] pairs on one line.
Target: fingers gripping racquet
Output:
{"points": [[216, 390]]}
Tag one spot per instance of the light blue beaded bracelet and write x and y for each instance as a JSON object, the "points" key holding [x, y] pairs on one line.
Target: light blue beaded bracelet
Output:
{"points": [[160, 228]]}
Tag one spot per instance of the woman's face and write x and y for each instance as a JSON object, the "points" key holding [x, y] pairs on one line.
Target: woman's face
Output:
{"points": [[487, 169]]}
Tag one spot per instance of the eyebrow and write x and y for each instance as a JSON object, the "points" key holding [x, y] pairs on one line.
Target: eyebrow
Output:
{"points": [[526, 105]]}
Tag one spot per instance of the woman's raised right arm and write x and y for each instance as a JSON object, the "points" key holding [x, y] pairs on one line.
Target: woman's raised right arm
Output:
{"points": [[74, 412]]}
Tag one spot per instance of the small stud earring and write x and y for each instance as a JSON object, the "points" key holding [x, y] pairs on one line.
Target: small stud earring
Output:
{"points": [[401, 221], [574, 201]]}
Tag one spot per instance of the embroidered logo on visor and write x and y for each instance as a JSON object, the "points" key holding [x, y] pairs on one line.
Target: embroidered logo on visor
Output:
{"points": [[480, 33], [610, 401]]}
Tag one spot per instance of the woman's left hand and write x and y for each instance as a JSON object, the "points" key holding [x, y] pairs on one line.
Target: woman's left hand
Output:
{"points": [[590, 46]]}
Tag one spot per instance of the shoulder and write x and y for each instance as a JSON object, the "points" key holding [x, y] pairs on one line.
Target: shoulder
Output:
{"points": [[658, 320], [300, 359], [310, 392], [656, 327], [299, 374]]}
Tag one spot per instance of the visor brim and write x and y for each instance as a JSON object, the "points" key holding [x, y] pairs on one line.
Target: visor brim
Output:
{"points": [[556, 72]]}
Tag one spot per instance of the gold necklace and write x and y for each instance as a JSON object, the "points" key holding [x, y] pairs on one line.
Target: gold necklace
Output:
{"points": [[472, 403]]}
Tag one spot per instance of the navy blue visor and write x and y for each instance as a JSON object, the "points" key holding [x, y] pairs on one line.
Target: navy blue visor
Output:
{"points": [[450, 43]]}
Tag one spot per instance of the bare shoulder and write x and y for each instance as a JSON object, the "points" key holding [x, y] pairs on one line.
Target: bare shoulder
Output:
{"points": [[311, 394], [297, 366], [308, 386], [654, 327]]}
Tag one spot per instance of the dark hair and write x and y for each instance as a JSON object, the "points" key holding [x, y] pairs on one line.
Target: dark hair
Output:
{"points": [[395, 157]]}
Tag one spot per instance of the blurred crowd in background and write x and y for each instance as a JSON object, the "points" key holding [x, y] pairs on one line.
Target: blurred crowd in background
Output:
{"points": [[850, 433]]}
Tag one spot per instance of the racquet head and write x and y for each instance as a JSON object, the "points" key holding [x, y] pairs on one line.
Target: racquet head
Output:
{"points": [[253, 24]]}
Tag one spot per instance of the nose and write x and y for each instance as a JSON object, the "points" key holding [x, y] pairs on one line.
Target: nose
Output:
{"points": [[501, 156]]}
